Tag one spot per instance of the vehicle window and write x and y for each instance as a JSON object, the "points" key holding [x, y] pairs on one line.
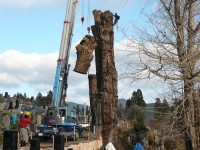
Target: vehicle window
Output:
{"points": [[73, 114], [50, 113], [62, 112]]}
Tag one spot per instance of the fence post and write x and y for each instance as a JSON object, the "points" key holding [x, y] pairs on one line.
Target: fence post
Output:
{"points": [[74, 134], [35, 143], [59, 142], [10, 140]]}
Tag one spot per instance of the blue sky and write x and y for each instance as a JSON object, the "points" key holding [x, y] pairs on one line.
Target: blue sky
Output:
{"points": [[30, 35]]}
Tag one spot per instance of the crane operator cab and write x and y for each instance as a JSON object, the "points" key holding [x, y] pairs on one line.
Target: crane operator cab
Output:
{"points": [[60, 116], [61, 120]]}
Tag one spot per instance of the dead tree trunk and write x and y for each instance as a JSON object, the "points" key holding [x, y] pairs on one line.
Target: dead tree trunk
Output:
{"points": [[93, 100], [95, 104], [84, 54], [106, 74]]}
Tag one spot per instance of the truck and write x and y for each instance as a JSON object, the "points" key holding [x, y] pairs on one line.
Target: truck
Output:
{"points": [[59, 118]]}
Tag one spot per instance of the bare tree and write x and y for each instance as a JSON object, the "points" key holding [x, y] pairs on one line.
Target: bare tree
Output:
{"points": [[169, 49]]}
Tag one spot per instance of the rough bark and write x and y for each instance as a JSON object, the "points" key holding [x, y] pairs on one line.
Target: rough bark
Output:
{"points": [[85, 54], [95, 105], [106, 74]]}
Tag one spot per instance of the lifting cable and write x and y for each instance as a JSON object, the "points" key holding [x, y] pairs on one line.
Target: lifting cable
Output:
{"points": [[82, 18], [88, 26], [88, 18]]}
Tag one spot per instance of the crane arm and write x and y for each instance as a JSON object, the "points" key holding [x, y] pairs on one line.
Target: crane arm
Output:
{"points": [[62, 70]]}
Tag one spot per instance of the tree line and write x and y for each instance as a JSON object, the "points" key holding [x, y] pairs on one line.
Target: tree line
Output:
{"points": [[39, 100]]}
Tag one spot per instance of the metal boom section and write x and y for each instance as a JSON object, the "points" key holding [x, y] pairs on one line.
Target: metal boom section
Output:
{"points": [[62, 70]]}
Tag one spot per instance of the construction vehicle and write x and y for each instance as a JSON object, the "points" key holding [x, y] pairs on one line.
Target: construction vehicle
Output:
{"points": [[59, 118]]}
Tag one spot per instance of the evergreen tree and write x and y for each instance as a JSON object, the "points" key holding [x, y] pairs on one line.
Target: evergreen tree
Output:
{"points": [[39, 99], [134, 98], [137, 99], [165, 107], [25, 95], [136, 113], [128, 104], [136, 107], [49, 98], [121, 112], [161, 109], [140, 101], [157, 109], [39, 96]]}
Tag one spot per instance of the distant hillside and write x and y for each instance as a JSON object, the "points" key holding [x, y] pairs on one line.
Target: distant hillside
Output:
{"points": [[149, 114], [122, 101], [150, 105], [73, 104], [149, 108]]}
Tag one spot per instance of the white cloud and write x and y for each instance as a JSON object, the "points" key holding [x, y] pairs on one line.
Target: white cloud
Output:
{"points": [[32, 68], [37, 72], [8, 80]]}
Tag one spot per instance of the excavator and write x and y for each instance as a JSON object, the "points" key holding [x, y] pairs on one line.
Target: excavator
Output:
{"points": [[61, 119]]}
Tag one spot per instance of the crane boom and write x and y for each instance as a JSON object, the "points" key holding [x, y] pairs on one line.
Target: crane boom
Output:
{"points": [[60, 119], [62, 70]]}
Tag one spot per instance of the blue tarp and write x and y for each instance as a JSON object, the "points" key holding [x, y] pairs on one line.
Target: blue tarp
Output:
{"points": [[138, 146]]}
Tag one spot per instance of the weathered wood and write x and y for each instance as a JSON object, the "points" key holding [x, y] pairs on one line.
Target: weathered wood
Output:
{"points": [[95, 104], [106, 74], [93, 97], [85, 54]]}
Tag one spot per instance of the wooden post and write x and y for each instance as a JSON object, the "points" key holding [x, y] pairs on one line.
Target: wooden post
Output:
{"points": [[106, 74]]}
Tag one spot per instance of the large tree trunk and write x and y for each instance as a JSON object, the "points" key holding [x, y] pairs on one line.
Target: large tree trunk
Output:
{"points": [[191, 117], [106, 74], [186, 52], [95, 105], [93, 100]]}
